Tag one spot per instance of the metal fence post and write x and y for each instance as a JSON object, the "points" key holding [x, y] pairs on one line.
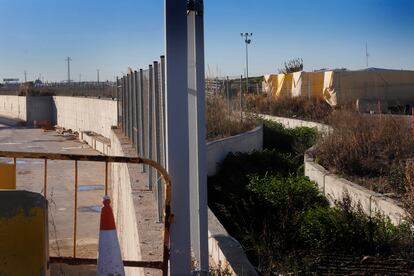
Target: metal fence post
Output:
{"points": [[241, 98], [117, 101], [142, 116], [133, 110], [124, 105], [157, 138], [137, 112], [150, 124], [130, 105]]}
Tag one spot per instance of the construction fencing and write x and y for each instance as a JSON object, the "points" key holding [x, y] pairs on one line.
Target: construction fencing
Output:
{"points": [[141, 116], [370, 89]]}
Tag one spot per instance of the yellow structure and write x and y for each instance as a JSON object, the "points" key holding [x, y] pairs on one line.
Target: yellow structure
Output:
{"points": [[23, 233], [339, 87], [8, 176]]}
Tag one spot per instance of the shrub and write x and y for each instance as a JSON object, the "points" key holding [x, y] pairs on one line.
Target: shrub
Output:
{"points": [[367, 146], [347, 229], [222, 122], [312, 108], [294, 140], [292, 193], [281, 219]]}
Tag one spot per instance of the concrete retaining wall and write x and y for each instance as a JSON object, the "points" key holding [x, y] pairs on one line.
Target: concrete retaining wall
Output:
{"points": [[13, 106], [218, 150], [123, 207], [39, 108], [334, 188], [293, 123], [86, 114]]}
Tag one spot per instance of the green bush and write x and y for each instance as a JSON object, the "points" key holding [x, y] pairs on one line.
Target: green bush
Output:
{"points": [[293, 193], [279, 216], [347, 229], [294, 140]]}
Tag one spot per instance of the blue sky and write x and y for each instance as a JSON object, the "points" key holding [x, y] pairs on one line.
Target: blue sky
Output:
{"points": [[37, 35]]}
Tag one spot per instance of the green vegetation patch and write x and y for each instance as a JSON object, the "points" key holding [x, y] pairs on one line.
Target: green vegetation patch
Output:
{"points": [[282, 220]]}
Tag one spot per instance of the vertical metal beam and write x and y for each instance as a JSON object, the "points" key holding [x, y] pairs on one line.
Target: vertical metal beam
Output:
{"points": [[75, 210], [124, 105], [197, 144], [106, 178], [130, 106], [44, 179], [150, 140], [117, 101], [133, 109], [177, 133], [136, 113], [142, 108], [162, 108], [157, 139]]}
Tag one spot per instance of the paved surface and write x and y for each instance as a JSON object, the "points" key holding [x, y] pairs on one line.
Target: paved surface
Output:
{"points": [[60, 189]]}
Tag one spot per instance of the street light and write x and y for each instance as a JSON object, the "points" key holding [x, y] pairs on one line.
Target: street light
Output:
{"points": [[247, 41]]}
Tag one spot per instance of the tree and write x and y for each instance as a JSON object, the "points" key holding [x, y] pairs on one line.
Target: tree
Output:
{"points": [[294, 65]]}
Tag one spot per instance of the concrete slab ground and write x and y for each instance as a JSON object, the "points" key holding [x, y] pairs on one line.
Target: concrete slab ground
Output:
{"points": [[60, 189]]}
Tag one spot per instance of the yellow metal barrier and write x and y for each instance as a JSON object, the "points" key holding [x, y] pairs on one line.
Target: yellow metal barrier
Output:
{"points": [[167, 219], [23, 233], [8, 176]]}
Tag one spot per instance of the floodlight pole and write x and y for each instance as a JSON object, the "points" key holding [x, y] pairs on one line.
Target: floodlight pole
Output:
{"points": [[247, 41]]}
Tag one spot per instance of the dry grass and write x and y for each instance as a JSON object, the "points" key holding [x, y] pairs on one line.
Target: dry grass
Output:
{"points": [[314, 109], [222, 122], [371, 150]]}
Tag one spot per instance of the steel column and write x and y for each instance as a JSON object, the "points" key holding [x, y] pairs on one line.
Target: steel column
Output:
{"points": [[197, 144], [177, 133]]}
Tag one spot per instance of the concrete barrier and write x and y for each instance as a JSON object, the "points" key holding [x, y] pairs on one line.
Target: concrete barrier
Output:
{"points": [[225, 250], [293, 123], [334, 188], [245, 142]]}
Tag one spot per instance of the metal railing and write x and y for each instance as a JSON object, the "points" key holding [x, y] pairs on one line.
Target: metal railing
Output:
{"points": [[167, 216], [141, 116]]}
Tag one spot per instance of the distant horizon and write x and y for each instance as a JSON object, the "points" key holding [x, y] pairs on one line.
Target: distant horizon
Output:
{"points": [[40, 35]]}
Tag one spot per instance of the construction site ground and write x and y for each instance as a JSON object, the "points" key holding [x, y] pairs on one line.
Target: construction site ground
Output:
{"points": [[60, 190]]}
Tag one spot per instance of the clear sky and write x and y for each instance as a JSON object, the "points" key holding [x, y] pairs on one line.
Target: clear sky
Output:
{"points": [[110, 35]]}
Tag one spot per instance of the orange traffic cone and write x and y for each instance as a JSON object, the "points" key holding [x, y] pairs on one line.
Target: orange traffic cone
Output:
{"points": [[109, 257]]}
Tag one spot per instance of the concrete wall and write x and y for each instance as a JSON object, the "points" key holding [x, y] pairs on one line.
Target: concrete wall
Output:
{"points": [[218, 150], [39, 108], [334, 188], [123, 207], [86, 114], [13, 106], [293, 123]]}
